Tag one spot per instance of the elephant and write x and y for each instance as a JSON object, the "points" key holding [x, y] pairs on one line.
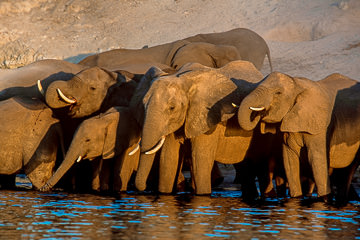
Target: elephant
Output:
{"points": [[30, 140], [319, 118], [110, 135], [196, 104], [250, 45], [170, 55]]}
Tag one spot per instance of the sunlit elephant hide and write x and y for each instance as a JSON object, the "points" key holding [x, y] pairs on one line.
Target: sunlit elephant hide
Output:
{"points": [[195, 103], [171, 55], [321, 117]]}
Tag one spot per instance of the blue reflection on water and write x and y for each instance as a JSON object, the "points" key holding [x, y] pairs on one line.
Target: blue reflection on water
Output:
{"points": [[29, 214]]}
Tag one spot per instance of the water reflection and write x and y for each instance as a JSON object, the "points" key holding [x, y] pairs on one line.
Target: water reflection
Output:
{"points": [[33, 215]]}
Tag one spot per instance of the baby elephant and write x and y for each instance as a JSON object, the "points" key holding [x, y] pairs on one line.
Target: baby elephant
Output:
{"points": [[113, 134]]}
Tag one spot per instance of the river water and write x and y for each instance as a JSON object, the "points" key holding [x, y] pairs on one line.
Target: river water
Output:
{"points": [[27, 214]]}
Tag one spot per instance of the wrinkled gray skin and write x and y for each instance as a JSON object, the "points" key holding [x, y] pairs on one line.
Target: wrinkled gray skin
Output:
{"points": [[30, 138], [179, 106], [304, 109], [170, 55], [112, 134], [251, 46]]}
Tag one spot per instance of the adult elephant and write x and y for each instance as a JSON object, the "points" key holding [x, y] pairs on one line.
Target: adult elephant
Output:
{"points": [[310, 113], [113, 134], [195, 103], [250, 45], [170, 55], [29, 138]]}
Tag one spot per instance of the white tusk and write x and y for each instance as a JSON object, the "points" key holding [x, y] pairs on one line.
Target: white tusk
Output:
{"points": [[79, 159], [65, 98], [234, 105], [257, 109], [135, 149], [40, 88], [157, 147]]}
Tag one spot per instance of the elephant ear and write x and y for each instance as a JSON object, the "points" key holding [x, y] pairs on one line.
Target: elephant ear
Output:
{"points": [[175, 47], [114, 76], [311, 112], [223, 54], [111, 119], [210, 102]]}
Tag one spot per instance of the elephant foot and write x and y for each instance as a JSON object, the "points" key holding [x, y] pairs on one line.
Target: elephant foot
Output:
{"points": [[45, 188], [326, 198], [271, 194]]}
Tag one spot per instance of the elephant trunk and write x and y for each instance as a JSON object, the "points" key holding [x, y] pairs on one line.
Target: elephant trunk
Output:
{"points": [[56, 95], [250, 108], [72, 156], [151, 141], [145, 164], [152, 131]]}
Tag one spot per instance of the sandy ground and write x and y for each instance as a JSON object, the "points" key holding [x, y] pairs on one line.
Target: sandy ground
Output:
{"points": [[310, 38]]}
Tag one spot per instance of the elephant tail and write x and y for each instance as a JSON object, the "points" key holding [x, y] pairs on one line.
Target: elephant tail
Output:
{"points": [[269, 58]]}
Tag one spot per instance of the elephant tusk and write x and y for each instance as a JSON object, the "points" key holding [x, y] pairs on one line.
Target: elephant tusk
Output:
{"points": [[135, 149], [157, 147], [40, 88], [65, 98], [257, 109], [234, 105], [79, 159]]}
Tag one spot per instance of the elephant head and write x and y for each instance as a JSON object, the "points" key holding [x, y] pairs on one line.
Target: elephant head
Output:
{"points": [[206, 54], [300, 105], [195, 98], [102, 136], [88, 91]]}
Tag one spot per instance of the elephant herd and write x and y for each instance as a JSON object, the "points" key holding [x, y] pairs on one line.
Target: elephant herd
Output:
{"points": [[139, 117]]}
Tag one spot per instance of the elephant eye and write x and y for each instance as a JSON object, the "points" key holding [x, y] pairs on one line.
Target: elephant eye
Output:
{"points": [[92, 88], [278, 93], [87, 140], [171, 108]]}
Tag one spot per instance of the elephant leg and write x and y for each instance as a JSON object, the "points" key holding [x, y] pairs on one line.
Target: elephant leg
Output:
{"points": [[269, 190], [291, 154], [106, 175], [203, 155], [342, 179], [96, 166], [316, 149], [124, 168], [245, 176], [169, 164]]}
